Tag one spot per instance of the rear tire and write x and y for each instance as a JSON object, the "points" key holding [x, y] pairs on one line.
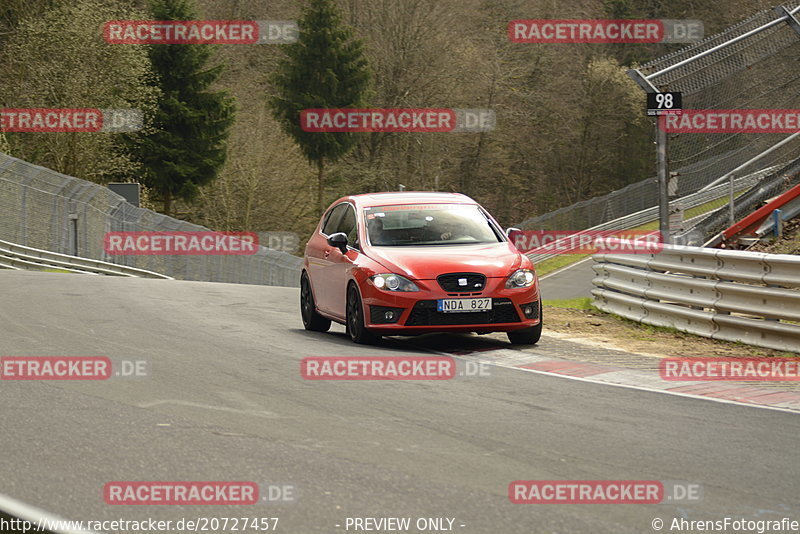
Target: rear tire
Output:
{"points": [[527, 336], [355, 319], [308, 308]]}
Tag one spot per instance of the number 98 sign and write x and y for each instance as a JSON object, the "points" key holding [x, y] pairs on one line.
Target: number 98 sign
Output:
{"points": [[664, 103]]}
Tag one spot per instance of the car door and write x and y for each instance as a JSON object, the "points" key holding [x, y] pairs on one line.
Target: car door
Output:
{"points": [[338, 265], [318, 253]]}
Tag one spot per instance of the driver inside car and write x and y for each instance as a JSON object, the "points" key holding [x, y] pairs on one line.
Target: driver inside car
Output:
{"points": [[448, 230]]}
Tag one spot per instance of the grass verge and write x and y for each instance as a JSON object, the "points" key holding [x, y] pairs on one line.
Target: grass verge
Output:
{"points": [[583, 303]]}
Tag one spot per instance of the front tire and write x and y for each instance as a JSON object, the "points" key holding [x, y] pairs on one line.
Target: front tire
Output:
{"points": [[527, 336], [308, 308], [355, 319]]}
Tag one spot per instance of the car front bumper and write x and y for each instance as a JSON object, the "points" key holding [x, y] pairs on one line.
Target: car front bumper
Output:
{"points": [[415, 312]]}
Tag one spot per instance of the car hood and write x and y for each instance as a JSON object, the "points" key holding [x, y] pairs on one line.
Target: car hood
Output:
{"points": [[428, 262]]}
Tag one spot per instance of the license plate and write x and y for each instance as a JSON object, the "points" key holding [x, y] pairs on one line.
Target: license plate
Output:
{"points": [[463, 305]]}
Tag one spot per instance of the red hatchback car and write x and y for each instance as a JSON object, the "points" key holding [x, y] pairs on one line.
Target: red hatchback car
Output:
{"points": [[412, 263]]}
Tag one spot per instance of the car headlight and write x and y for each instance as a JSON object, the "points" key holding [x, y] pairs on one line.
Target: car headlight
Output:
{"points": [[520, 278], [393, 282]]}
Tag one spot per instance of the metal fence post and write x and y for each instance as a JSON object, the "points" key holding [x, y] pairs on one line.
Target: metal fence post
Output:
{"points": [[732, 211], [663, 177], [73, 233]]}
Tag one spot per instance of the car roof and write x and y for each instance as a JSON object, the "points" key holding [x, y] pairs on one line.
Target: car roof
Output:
{"points": [[409, 197]]}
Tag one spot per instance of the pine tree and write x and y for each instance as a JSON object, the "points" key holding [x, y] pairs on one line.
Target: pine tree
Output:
{"points": [[193, 122], [325, 68]]}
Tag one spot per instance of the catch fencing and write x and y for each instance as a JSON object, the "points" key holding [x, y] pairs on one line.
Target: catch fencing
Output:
{"points": [[44, 209], [640, 219], [596, 211], [751, 65]]}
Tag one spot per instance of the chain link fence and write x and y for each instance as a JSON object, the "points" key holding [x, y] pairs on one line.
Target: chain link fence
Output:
{"points": [[751, 65], [756, 69], [599, 210], [44, 209]]}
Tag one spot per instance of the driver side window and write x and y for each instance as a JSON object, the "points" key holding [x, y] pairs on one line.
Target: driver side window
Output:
{"points": [[332, 221], [348, 225]]}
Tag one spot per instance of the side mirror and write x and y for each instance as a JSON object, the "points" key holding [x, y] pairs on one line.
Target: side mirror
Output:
{"points": [[338, 240], [512, 229]]}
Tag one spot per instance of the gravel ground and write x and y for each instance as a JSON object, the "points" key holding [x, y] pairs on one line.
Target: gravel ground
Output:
{"points": [[614, 332]]}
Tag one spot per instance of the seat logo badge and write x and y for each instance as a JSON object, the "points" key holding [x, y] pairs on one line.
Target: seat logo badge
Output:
{"points": [[462, 281]]}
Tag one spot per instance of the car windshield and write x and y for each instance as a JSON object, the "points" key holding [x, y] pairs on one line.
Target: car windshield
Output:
{"points": [[428, 224]]}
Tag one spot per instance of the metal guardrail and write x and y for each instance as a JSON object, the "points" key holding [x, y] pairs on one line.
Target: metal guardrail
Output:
{"points": [[721, 294], [13, 256]]}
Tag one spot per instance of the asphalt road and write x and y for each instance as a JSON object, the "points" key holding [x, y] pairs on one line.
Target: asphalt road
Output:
{"points": [[224, 401], [574, 281]]}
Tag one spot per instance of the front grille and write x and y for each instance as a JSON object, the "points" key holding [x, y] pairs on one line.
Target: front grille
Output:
{"points": [[462, 282], [424, 313]]}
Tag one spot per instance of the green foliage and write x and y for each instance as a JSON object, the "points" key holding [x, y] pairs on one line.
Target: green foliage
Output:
{"points": [[570, 123], [13, 12], [192, 120], [583, 303], [325, 68], [57, 58]]}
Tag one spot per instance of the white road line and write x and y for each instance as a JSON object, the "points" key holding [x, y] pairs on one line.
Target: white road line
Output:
{"points": [[562, 269], [654, 390], [495, 363], [35, 516]]}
